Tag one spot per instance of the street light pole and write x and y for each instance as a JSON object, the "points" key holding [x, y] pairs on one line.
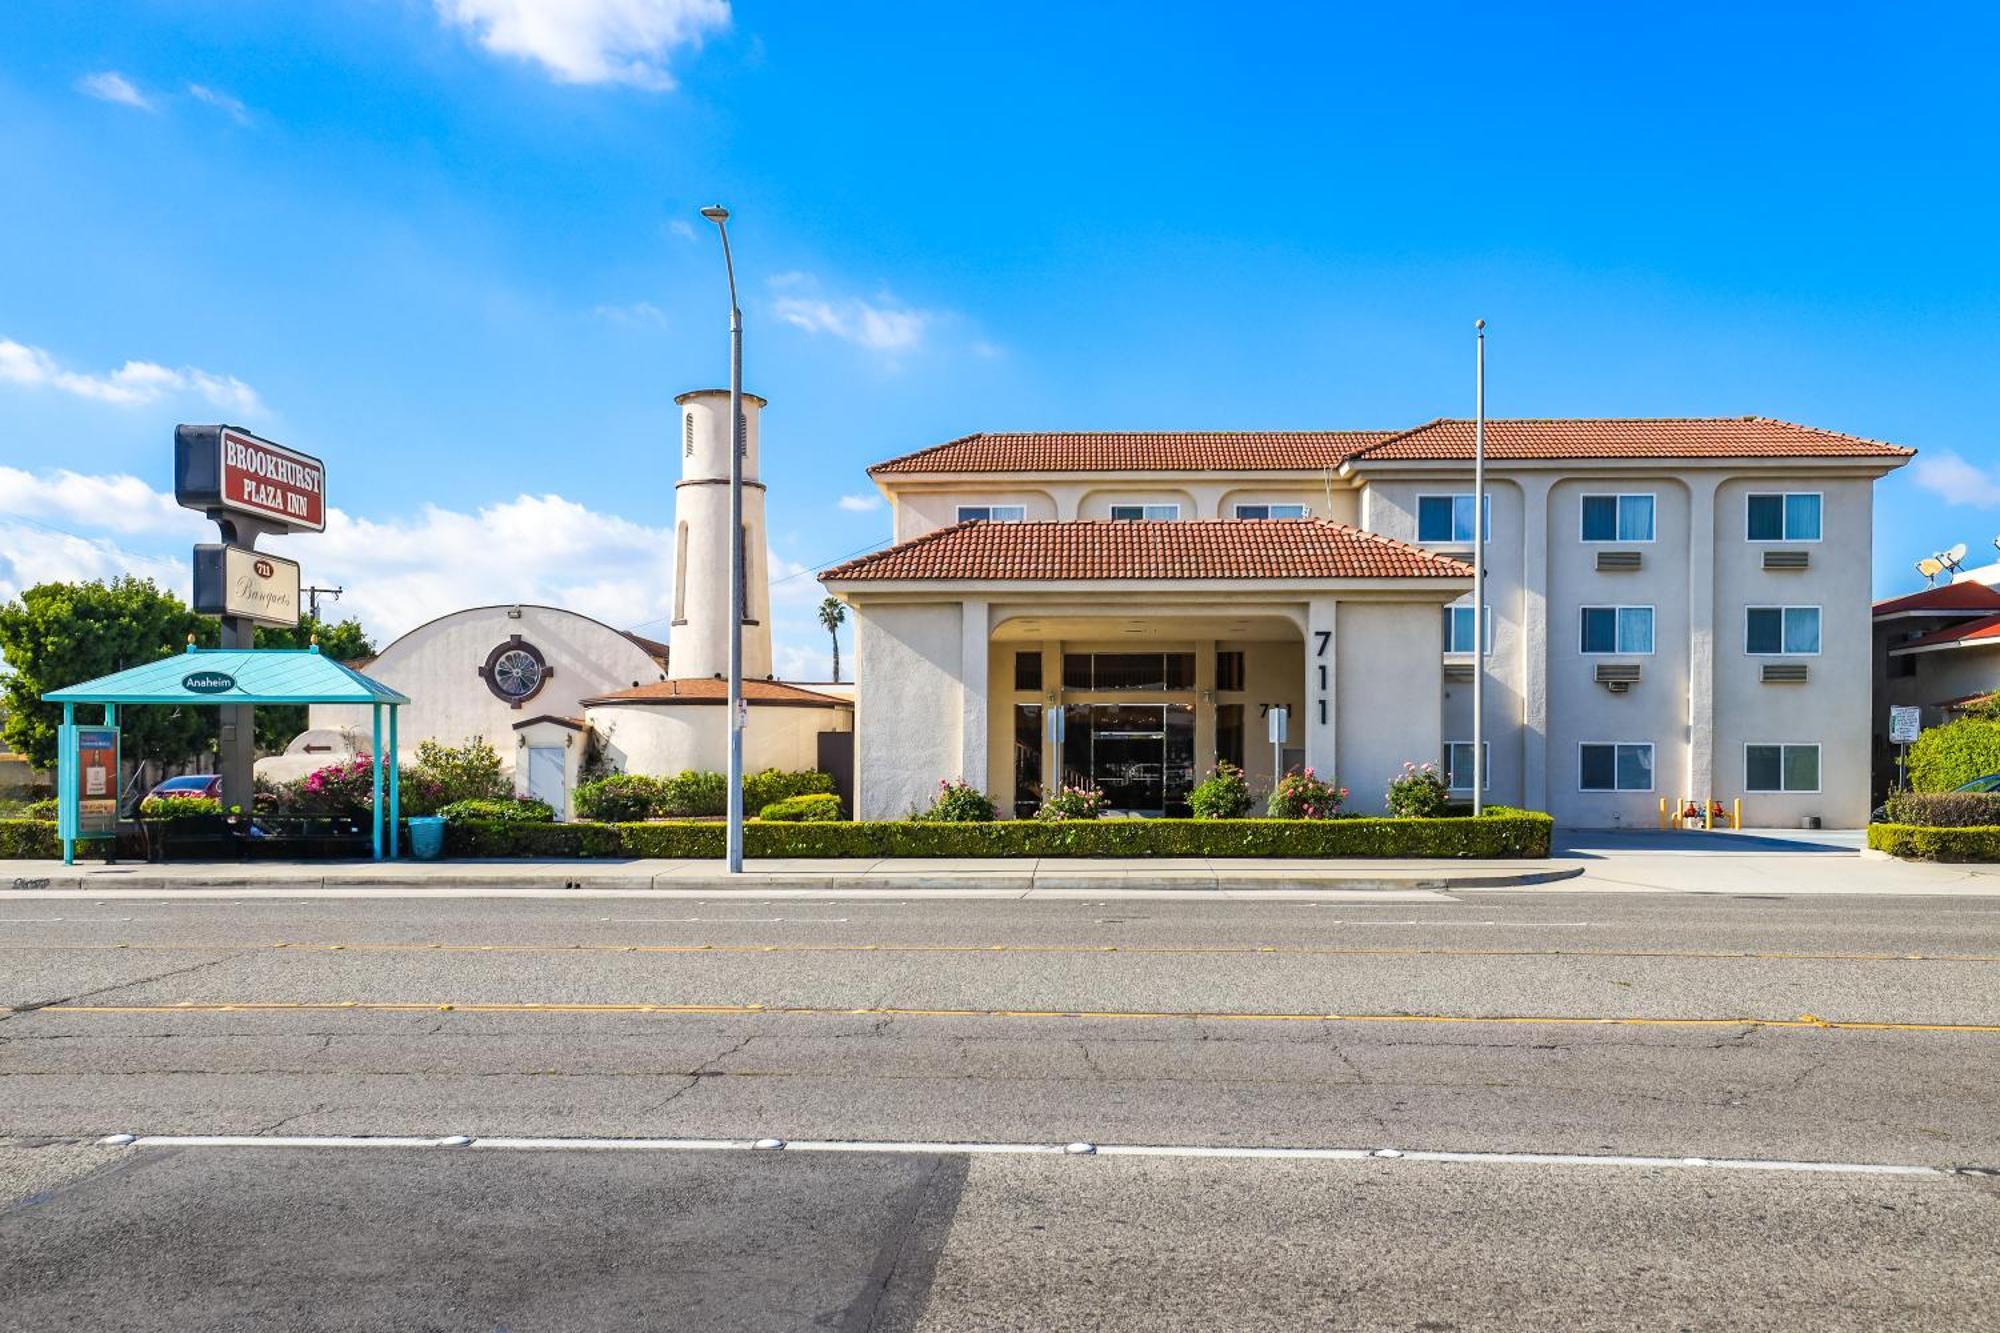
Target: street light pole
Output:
{"points": [[1479, 580], [719, 215]]}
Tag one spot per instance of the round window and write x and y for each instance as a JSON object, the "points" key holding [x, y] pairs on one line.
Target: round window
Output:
{"points": [[515, 671]]}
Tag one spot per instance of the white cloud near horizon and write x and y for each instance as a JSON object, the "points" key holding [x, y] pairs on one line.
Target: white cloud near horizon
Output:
{"points": [[131, 385], [860, 504], [591, 41], [1955, 480], [221, 101], [882, 325], [108, 85]]}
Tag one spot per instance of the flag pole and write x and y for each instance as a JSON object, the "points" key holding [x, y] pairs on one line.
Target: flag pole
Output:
{"points": [[1479, 627]]}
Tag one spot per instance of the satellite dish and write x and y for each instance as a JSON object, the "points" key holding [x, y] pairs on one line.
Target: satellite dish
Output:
{"points": [[1930, 567], [1954, 557]]}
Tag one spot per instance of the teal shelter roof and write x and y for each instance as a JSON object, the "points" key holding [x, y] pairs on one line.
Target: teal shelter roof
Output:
{"points": [[233, 676]]}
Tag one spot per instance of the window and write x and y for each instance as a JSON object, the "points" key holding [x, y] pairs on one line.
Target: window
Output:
{"points": [[1458, 629], [1229, 734], [1027, 759], [1128, 512], [1028, 671], [1447, 519], [1458, 765], [1272, 511], [1128, 671], [1623, 630], [1781, 631], [1615, 766], [1782, 768], [992, 513], [1791, 517], [1618, 518], [1229, 671]]}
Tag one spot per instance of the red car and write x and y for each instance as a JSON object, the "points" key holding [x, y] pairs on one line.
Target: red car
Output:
{"points": [[190, 784]]}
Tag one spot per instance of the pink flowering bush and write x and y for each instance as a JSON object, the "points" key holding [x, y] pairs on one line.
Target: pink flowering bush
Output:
{"points": [[1303, 795], [1418, 792], [1072, 803], [958, 802]]}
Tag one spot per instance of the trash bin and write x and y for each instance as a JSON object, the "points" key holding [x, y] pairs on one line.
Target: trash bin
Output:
{"points": [[426, 838], [1809, 821]]}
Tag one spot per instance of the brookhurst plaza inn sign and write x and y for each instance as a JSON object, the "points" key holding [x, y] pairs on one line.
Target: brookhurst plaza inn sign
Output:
{"points": [[226, 471]]}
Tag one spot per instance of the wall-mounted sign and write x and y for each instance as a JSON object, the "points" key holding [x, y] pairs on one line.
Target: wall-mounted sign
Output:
{"points": [[233, 581], [226, 468], [208, 682]]}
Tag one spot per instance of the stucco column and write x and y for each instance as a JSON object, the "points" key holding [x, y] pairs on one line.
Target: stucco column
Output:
{"points": [[1701, 638], [1321, 716], [1204, 707], [973, 633], [1534, 721]]}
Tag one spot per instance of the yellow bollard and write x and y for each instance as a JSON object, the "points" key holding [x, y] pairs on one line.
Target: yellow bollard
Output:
{"points": [[1736, 818], [1663, 813], [1708, 816]]}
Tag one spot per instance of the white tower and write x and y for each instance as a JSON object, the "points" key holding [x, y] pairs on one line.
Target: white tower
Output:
{"points": [[699, 642]]}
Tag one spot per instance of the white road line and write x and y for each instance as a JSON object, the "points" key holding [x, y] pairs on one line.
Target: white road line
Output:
{"points": [[1079, 1148]]}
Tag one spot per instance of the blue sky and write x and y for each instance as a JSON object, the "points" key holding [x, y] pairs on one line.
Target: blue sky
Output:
{"points": [[452, 248]]}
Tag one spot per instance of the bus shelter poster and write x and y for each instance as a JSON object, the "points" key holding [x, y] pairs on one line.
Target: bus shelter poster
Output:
{"points": [[97, 782]]}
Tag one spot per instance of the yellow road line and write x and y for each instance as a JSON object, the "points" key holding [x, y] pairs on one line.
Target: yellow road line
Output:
{"points": [[1222, 951], [805, 1011]]}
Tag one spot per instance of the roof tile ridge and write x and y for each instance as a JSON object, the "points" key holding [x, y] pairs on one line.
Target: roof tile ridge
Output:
{"points": [[1383, 539], [895, 548], [927, 449], [1838, 434], [1395, 436]]}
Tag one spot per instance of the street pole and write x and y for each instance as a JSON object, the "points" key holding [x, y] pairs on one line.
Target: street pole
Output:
{"points": [[733, 839], [1479, 580]]}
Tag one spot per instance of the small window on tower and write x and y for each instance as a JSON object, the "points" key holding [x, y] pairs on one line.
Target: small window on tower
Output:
{"points": [[687, 430]]}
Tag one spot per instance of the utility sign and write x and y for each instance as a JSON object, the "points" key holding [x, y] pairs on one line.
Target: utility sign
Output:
{"points": [[1905, 722], [227, 469], [235, 581], [1279, 719]]}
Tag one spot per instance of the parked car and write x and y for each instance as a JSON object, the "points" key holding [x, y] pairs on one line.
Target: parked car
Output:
{"points": [[190, 784]]}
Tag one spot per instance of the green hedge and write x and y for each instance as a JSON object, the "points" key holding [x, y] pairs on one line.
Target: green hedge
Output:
{"points": [[1943, 809], [1501, 833], [34, 840], [1918, 842], [816, 808]]}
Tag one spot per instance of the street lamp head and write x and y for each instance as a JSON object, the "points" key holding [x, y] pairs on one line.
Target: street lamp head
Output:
{"points": [[716, 213]]}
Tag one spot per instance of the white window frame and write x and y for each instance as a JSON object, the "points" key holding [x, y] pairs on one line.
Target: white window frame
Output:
{"points": [[1653, 767], [1145, 515], [1417, 516], [1617, 497], [1783, 498], [1820, 612], [1485, 765], [1782, 746], [993, 513], [1305, 510], [1617, 650], [1451, 611]]}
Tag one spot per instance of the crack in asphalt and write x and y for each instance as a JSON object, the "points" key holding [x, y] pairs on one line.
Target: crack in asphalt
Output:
{"points": [[20, 1010]]}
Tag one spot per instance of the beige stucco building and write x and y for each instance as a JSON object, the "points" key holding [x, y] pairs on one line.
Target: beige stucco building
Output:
{"points": [[1678, 609]]}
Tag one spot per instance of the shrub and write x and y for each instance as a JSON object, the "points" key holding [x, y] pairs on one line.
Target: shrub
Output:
{"points": [[1418, 792], [468, 772], [1955, 753], [1223, 794], [513, 810], [42, 809], [694, 794], [619, 797], [772, 785], [1071, 803], [345, 788], [1944, 809], [1915, 843], [1497, 834], [811, 807], [958, 802], [1304, 796], [36, 840], [178, 807]]}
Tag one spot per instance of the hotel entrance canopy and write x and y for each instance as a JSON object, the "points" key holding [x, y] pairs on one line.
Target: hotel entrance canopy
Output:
{"points": [[218, 677]]}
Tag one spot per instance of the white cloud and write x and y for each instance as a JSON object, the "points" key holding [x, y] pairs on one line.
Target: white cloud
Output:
{"points": [[108, 85], [591, 41], [221, 101], [682, 228], [32, 554], [637, 314], [860, 504], [122, 503], [131, 385], [1956, 481], [881, 325]]}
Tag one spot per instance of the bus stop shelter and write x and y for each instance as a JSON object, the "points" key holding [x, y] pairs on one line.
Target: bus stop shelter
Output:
{"points": [[215, 677]]}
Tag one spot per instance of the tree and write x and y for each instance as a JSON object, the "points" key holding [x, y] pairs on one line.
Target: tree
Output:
{"points": [[61, 634], [344, 641], [832, 614]]}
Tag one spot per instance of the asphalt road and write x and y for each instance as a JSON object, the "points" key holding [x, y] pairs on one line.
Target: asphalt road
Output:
{"points": [[1848, 1030]]}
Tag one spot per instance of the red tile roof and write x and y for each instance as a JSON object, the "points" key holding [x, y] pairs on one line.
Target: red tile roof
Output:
{"points": [[1946, 598], [1313, 548], [1634, 437], [1978, 631], [1138, 451], [709, 690]]}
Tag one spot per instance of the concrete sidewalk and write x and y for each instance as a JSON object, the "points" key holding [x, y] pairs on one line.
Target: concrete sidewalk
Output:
{"points": [[852, 875]]}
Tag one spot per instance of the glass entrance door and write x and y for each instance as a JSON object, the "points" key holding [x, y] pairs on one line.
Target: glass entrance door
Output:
{"points": [[1141, 756]]}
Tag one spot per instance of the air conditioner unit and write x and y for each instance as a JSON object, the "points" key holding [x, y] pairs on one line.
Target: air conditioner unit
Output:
{"points": [[1618, 562], [1618, 677], [1458, 673], [1784, 673], [1787, 559]]}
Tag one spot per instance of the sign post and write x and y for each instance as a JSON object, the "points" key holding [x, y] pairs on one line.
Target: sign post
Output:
{"points": [[1279, 718], [1905, 724], [250, 487]]}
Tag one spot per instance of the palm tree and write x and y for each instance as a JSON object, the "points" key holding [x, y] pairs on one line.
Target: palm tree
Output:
{"points": [[833, 614]]}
